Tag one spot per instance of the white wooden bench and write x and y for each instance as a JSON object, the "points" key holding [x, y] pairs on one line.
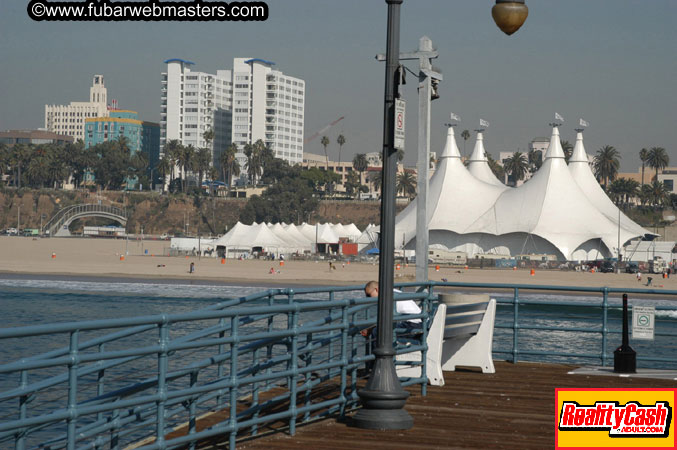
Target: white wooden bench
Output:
{"points": [[461, 334]]}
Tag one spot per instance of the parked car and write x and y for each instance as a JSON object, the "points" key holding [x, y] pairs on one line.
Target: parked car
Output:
{"points": [[12, 232], [631, 267], [607, 267]]}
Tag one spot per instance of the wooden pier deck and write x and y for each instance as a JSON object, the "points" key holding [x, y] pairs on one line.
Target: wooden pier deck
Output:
{"points": [[511, 409]]}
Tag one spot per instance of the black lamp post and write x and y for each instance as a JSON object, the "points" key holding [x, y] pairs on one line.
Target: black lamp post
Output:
{"points": [[383, 398]]}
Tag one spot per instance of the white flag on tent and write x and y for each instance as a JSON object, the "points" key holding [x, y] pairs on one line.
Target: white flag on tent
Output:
{"points": [[558, 117], [484, 123], [455, 117], [583, 123]]}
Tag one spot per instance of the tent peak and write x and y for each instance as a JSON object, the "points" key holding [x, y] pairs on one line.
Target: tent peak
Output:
{"points": [[579, 154], [555, 148], [450, 147]]}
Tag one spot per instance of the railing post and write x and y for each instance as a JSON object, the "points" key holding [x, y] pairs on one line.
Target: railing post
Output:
{"points": [[222, 350], [101, 376], [294, 371], [162, 384], [20, 440], [234, 382], [72, 390], [192, 419], [605, 330], [344, 357], [515, 326]]}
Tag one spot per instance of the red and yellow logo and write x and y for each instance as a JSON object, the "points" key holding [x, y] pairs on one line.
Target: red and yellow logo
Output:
{"points": [[615, 418]]}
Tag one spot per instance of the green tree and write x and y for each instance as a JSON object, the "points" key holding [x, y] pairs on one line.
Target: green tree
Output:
{"points": [[173, 150], [517, 166], [399, 154], [606, 164], [496, 168], [325, 142], [202, 163], [376, 179], [353, 185], [165, 167], [288, 200], [112, 165], [406, 184], [360, 163], [659, 196], [186, 159], [644, 157], [465, 134], [340, 140], [658, 159], [535, 158], [20, 156], [229, 164]]}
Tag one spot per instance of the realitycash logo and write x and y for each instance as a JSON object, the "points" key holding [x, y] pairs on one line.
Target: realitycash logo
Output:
{"points": [[615, 418]]}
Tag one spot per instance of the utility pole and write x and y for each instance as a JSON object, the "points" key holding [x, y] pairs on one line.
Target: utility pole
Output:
{"points": [[427, 91]]}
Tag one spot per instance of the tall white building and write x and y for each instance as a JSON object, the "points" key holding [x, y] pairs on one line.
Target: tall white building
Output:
{"points": [[250, 102], [70, 119], [268, 105], [195, 102]]}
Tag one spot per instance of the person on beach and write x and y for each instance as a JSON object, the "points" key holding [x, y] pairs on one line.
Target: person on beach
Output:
{"points": [[191, 269], [401, 307], [639, 276]]}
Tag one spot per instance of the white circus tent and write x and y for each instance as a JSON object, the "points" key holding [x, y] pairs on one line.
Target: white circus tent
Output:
{"points": [[478, 164], [585, 179], [456, 199], [295, 234], [549, 214]]}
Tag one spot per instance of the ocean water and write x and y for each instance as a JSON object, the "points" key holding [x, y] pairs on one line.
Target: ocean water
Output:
{"points": [[26, 301]]}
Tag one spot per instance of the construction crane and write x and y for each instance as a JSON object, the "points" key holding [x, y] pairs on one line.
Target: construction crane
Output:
{"points": [[310, 138]]}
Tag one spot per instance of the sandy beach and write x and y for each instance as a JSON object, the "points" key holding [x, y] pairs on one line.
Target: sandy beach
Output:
{"points": [[96, 257]]}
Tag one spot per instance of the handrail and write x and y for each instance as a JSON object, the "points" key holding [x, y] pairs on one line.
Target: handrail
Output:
{"points": [[116, 381]]}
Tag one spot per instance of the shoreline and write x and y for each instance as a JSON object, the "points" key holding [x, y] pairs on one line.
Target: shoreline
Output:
{"points": [[111, 260]]}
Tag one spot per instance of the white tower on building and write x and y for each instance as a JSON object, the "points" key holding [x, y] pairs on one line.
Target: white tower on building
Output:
{"points": [[70, 119]]}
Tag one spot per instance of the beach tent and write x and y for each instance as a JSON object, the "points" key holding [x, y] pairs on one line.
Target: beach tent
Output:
{"points": [[585, 179], [352, 232], [368, 238], [293, 243], [322, 233], [233, 236], [478, 164], [295, 234], [338, 229]]}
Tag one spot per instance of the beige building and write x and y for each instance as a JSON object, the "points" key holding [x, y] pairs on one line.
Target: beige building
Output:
{"points": [[70, 119]]}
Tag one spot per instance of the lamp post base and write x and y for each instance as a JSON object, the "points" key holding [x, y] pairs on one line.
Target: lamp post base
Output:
{"points": [[383, 399]]}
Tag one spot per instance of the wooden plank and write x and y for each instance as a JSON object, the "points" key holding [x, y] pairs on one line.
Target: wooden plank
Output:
{"points": [[512, 408]]}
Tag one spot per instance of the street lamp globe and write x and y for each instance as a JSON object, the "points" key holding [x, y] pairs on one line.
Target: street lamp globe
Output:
{"points": [[509, 15]]}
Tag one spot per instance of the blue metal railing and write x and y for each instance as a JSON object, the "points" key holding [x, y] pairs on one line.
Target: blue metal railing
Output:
{"points": [[243, 362], [118, 381]]}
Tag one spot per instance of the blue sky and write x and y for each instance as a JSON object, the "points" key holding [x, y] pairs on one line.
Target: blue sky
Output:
{"points": [[611, 62]]}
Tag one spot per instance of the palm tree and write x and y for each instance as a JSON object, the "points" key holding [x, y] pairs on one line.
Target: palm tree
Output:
{"points": [[20, 156], [360, 163], [406, 184], [340, 140], [375, 178], [658, 194], [496, 168], [165, 167], [606, 164], [399, 154], [516, 165], [535, 158], [465, 134], [254, 164], [658, 159], [325, 141], [185, 161], [644, 157], [230, 166], [568, 150], [202, 163], [173, 150]]}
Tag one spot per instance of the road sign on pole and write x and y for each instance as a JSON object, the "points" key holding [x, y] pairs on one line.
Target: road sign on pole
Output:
{"points": [[399, 123]]}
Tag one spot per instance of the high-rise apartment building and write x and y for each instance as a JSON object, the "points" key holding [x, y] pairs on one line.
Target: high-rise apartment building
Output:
{"points": [[70, 119], [268, 105], [193, 103], [250, 102]]}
